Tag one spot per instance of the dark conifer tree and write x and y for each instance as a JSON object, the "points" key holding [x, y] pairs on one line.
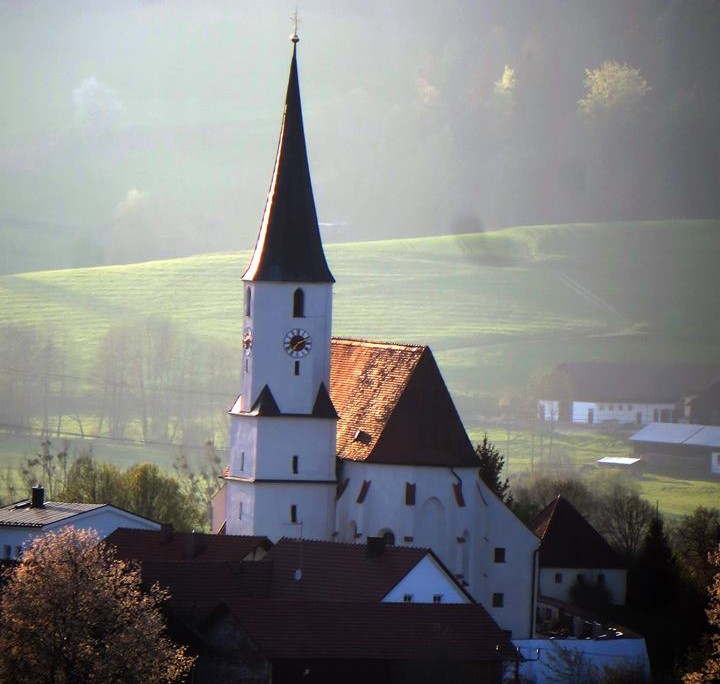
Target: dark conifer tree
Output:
{"points": [[492, 463]]}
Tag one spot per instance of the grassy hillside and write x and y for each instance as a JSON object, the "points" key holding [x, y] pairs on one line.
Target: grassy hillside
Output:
{"points": [[494, 306]]}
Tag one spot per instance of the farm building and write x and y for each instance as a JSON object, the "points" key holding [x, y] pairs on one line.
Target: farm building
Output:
{"points": [[694, 448], [703, 408], [593, 393]]}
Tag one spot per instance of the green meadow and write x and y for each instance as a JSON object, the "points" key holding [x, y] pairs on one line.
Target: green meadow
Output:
{"points": [[495, 308]]}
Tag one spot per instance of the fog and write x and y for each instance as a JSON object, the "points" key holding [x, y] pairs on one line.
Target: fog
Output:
{"points": [[132, 130]]}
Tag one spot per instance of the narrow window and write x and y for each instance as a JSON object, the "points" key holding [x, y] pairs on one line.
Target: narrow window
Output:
{"points": [[295, 464], [240, 510], [437, 598], [407, 598], [558, 578], [297, 368], [248, 301], [498, 600], [581, 578], [242, 460], [499, 554], [389, 538], [293, 513], [298, 303]]}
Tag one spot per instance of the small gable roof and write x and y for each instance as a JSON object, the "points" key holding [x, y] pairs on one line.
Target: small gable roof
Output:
{"points": [[568, 540], [312, 570], [394, 406], [679, 433]]}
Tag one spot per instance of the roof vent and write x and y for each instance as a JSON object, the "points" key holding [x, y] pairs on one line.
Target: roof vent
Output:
{"points": [[38, 497], [362, 437]]}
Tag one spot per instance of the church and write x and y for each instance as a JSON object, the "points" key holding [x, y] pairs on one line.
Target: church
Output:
{"points": [[344, 439]]}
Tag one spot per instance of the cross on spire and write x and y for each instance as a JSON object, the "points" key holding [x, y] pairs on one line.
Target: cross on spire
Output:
{"points": [[295, 38]]}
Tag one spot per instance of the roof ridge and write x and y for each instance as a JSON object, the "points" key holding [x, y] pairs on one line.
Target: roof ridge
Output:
{"points": [[378, 343]]}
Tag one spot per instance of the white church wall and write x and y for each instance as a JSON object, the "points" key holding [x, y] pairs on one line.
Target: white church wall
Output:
{"points": [[268, 361], [277, 441], [465, 538], [427, 582], [279, 509]]}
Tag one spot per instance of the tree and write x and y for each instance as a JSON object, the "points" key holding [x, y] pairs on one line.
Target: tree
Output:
{"points": [[694, 540], [492, 463], [142, 489], [654, 577], [710, 672], [612, 89], [621, 516], [72, 612]]}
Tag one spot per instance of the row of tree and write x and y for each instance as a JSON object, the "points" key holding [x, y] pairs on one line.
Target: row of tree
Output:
{"points": [[149, 381]]}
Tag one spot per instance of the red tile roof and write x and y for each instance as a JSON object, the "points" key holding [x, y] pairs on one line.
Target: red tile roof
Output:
{"points": [[331, 571], [381, 631], [568, 540], [168, 545], [394, 406]]}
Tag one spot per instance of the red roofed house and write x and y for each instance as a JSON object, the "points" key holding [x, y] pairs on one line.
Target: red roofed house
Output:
{"points": [[572, 551], [316, 611], [349, 439]]}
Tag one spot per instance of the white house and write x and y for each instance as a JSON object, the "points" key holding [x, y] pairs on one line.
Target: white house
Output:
{"points": [[342, 440], [572, 552], [21, 522]]}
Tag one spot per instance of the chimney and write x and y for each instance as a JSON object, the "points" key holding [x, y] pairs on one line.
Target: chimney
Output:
{"points": [[38, 497], [375, 547], [194, 544]]}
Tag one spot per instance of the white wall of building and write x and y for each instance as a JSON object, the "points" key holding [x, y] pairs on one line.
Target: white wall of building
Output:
{"points": [[465, 538], [427, 582], [622, 412], [557, 582], [539, 656], [104, 521], [280, 509]]}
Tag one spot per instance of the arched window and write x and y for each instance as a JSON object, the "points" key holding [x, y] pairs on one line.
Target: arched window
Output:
{"points": [[298, 303]]}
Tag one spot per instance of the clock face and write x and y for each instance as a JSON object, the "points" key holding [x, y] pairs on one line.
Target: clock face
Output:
{"points": [[247, 341], [297, 342]]}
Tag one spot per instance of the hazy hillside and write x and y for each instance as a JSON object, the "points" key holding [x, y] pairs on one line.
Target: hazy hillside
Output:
{"points": [[495, 307]]}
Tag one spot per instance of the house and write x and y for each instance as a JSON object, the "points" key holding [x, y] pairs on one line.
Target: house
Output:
{"points": [[695, 449], [23, 521], [343, 440], [316, 610], [627, 393], [572, 552]]}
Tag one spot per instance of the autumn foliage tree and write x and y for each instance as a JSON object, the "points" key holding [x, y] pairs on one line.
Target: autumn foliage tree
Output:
{"points": [[71, 612], [710, 671]]}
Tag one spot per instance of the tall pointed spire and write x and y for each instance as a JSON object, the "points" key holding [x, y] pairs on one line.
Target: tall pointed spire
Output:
{"points": [[289, 248]]}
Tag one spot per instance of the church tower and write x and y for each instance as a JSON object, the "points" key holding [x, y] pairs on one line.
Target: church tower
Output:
{"points": [[281, 475]]}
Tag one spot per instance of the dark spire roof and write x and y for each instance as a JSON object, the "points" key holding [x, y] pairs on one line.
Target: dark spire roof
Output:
{"points": [[289, 248], [323, 407], [265, 404]]}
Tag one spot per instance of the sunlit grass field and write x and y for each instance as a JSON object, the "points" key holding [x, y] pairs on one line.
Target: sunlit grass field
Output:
{"points": [[494, 307]]}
